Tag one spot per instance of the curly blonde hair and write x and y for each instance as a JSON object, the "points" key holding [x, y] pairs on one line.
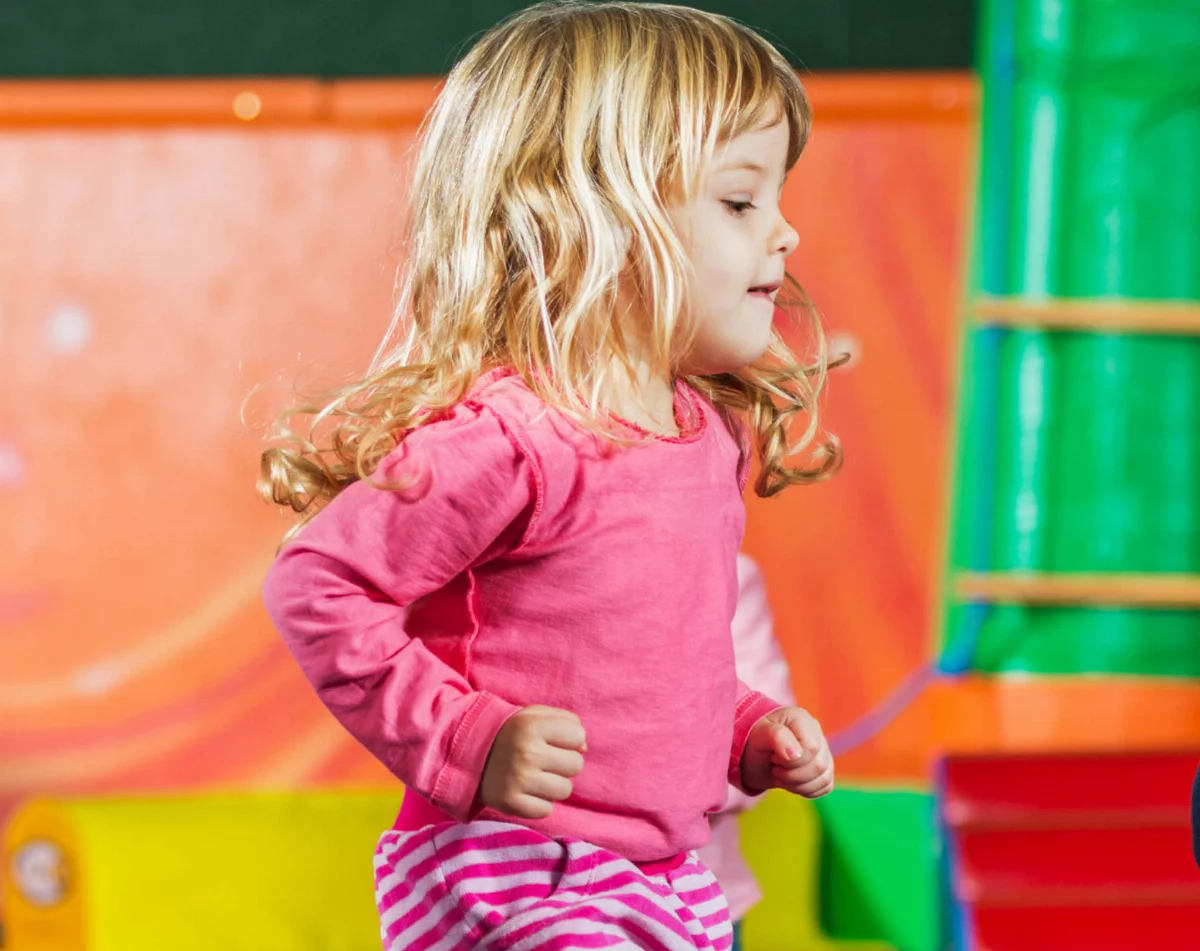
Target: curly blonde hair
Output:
{"points": [[544, 176]]}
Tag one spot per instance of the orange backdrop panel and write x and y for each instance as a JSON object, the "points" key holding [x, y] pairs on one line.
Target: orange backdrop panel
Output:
{"points": [[880, 199], [153, 272]]}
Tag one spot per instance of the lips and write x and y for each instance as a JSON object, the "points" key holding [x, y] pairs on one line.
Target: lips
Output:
{"points": [[767, 291]]}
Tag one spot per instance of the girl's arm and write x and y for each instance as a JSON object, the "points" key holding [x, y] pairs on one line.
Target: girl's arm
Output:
{"points": [[339, 596], [761, 668]]}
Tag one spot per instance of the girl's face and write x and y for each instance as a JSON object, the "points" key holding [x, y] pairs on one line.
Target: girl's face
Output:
{"points": [[737, 240]]}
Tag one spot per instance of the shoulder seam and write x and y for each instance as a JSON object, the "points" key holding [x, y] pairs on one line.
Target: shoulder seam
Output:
{"points": [[521, 443]]}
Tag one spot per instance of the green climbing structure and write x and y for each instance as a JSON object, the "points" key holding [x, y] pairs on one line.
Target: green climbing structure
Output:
{"points": [[1079, 439]]}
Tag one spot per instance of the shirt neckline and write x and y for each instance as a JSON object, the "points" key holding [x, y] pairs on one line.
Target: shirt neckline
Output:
{"points": [[686, 408]]}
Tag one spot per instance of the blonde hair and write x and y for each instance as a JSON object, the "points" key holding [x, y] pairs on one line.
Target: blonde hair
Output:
{"points": [[544, 176]]}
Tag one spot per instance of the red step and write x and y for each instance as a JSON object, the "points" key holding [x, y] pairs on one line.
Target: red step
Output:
{"points": [[1073, 853], [1064, 790], [1088, 928], [1060, 866]]}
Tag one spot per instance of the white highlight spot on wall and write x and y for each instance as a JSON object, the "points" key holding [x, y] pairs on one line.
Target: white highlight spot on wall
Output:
{"points": [[69, 328], [99, 680], [845, 343], [13, 471]]}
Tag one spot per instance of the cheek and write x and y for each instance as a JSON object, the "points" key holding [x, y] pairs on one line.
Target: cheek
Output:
{"points": [[723, 263], [722, 271]]}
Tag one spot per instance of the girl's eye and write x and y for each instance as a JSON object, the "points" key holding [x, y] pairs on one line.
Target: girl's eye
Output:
{"points": [[737, 208]]}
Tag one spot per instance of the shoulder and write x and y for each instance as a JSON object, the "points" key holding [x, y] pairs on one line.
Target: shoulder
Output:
{"points": [[466, 426], [508, 399], [467, 448], [551, 441]]}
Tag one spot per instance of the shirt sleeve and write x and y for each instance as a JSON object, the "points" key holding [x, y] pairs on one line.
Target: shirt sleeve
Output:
{"points": [[459, 492], [764, 683]]}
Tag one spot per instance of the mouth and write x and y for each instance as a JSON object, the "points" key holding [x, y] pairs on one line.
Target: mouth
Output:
{"points": [[766, 291]]}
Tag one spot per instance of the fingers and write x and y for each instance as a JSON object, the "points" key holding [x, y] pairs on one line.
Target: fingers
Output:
{"points": [[525, 806], [534, 757], [811, 779], [800, 759], [787, 738], [804, 741], [568, 763], [540, 788], [812, 789], [548, 787], [532, 794], [564, 730], [806, 771]]}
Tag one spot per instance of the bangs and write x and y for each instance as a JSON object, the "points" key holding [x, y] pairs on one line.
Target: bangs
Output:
{"points": [[762, 91]]}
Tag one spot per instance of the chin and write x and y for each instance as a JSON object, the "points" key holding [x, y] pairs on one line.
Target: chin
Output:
{"points": [[755, 346], [730, 360], [731, 350]]}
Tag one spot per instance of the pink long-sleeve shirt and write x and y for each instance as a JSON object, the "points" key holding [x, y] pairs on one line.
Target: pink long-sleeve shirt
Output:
{"points": [[528, 562]]}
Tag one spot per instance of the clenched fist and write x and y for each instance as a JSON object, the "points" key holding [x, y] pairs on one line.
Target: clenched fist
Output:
{"points": [[787, 749], [533, 759]]}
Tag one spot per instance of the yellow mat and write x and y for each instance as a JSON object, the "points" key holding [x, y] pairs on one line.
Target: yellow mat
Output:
{"points": [[287, 872], [781, 840]]}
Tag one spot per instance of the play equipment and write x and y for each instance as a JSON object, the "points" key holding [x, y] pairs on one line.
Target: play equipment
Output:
{"points": [[267, 872], [781, 840], [1077, 544], [1071, 853], [879, 867], [292, 872]]}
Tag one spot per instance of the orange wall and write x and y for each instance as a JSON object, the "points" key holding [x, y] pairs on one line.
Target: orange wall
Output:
{"points": [[880, 200], [160, 257]]}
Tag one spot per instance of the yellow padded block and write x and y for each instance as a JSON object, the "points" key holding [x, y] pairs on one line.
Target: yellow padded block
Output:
{"points": [[292, 872], [244, 872], [781, 840]]}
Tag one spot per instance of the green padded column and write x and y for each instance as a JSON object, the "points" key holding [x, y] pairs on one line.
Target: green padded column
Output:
{"points": [[1091, 188]]}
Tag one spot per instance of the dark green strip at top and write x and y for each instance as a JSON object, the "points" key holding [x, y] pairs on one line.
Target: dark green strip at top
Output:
{"points": [[332, 38]]}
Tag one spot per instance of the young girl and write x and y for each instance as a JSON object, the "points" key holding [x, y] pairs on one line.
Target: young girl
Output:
{"points": [[518, 590]]}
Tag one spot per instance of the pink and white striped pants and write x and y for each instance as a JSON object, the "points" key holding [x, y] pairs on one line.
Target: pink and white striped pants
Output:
{"points": [[503, 887]]}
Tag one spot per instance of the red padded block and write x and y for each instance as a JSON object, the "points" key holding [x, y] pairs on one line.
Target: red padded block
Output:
{"points": [[1072, 790], [1089, 928], [1075, 852], [1060, 865]]}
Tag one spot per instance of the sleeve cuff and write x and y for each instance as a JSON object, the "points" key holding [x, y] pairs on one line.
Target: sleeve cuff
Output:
{"points": [[458, 781], [750, 709]]}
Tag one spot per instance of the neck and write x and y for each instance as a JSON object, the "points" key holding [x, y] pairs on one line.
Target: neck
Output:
{"points": [[639, 393], [642, 397]]}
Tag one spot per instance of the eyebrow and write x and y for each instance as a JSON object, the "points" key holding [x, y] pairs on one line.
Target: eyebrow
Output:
{"points": [[749, 166], [744, 166]]}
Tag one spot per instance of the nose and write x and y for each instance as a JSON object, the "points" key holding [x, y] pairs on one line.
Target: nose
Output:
{"points": [[785, 240]]}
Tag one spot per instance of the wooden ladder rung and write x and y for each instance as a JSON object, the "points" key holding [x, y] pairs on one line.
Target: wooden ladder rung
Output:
{"points": [[1106, 315], [1100, 589]]}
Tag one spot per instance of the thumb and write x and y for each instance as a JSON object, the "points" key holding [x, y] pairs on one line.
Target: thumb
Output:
{"points": [[784, 746], [808, 736]]}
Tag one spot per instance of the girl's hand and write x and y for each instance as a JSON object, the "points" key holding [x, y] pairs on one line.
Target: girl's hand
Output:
{"points": [[786, 749], [532, 761]]}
